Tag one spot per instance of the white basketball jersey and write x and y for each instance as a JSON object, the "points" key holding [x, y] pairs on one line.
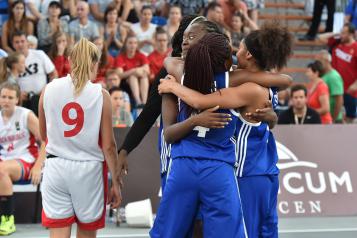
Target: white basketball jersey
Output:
{"points": [[73, 122], [16, 141]]}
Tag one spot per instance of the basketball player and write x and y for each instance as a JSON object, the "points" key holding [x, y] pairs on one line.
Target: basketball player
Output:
{"points": [[77, 124], [256, 155], [19, 157]]}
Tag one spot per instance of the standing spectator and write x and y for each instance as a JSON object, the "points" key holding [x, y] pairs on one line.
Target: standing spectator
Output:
{"points": [[59, 53], [173, 22], [38, 67], [134, 68], [83, 27], [230, 7], [157, 57], [114, 33], [17, 22], [318, 93], [106, 61], [335, 85], [47, 27], [344, 60], [19, 155], [112, 79], [299, 112], [316, 18], [12, 67], [121, 117], [145, 30], [351, 12]]}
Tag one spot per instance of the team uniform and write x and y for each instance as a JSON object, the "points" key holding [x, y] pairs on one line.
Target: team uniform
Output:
{"points": [[75, 176], [201, 177], [164, 151], [257, 175], [17, 142]]}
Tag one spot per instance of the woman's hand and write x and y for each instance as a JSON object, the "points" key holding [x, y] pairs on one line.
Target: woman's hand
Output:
{"points": [[167, 84], [211, 119], [35, 174]]}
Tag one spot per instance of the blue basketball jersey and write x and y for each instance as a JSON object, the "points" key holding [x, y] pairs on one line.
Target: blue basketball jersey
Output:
{"points": [[164, 149], [256, 152], [207, 143]]}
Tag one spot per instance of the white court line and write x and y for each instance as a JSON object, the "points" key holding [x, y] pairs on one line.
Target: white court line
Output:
{"points": [[317, 230]]}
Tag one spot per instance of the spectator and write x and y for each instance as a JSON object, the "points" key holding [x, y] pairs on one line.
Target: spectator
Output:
{"points": [[19, 155], [283, 102], [316, 18], [68, 9], [127, 12], [83, 27], [230, 7], [121, 117], [190, 7], [12, 67], [106, 61], [114, 33], [3, 53], [318, 93], [134, 68], [299, 112], [47, 27], [253, 6], [156, 58], [344, 60], [241, 26], [173, 22], [33, 8], [17, 22], [214, 13], [351, 12], [32, 41], [97, 8], [145, 30], [112, 79], [38, 67], [59, 53], [335, 84]]}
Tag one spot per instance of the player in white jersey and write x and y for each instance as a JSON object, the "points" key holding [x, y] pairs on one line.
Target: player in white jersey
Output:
{"points": [[76, 119], [19, 130]]}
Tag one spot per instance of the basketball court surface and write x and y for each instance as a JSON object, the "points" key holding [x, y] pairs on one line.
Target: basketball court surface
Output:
{"points": [[340, 227]]}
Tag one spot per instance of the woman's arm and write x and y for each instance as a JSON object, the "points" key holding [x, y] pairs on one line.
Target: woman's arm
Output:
{"points": [[41, 117], [36, 13], [265, 79], [94, 9], [127, 6], [5, 40], [325, 104]]}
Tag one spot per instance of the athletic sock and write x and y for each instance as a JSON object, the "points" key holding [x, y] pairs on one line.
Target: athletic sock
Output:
{"points": [[7, 205]]}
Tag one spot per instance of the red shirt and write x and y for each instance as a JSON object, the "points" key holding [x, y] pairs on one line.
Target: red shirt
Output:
{"points": [[156, 61], [344, 60], [314, 102], [62, 65], [103, 70], [122, 61]]}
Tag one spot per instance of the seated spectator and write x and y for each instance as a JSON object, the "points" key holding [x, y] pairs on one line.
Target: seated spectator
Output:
{"points": [[145, 31], [112, 79], [334, 82], [299, 112], [33, 42], [173, 22], [157, 57], [230, 7], [82, 27], [241, 26], [12, 67], [351, 12], [318, 93], [19, 156], [47, 27], [17, 22], [68, 9], [106, 61], [190, 7], [97, 8], [121, 117], [253, 6], [114, 33], [59, 53], [126, 10], [134, 68], [33, 10], [38, 67], [214, 13]]}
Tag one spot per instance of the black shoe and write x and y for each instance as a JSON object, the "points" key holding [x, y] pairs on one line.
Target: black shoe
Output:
{"points": [[307, 38]]}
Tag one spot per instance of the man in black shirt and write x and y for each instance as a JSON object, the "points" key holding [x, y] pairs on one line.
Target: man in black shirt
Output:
{"points": [[299, 113]]}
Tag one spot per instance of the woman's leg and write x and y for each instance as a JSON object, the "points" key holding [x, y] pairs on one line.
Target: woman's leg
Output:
{"points": [[144, 89], [85, 233], [134, 86], [64, 232]]}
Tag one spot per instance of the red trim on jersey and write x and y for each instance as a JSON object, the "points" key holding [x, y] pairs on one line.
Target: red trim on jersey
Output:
{"points": [[33, 148], [100, 223], [57, 223]]}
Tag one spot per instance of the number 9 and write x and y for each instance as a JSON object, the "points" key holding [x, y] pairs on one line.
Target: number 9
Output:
{"points": [[78, 121]]}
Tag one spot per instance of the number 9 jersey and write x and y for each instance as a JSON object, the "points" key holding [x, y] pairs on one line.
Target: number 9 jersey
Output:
{"points": [[73, 121]]}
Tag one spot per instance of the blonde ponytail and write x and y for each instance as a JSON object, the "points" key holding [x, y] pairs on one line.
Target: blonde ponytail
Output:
{"points": [[83, 56]]}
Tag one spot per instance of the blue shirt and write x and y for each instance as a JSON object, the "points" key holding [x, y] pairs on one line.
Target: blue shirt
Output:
{"points": [[351, 10]]}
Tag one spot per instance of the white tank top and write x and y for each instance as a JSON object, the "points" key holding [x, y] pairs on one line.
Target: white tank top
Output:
{"points": [[73, 122], [16, 141]]}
